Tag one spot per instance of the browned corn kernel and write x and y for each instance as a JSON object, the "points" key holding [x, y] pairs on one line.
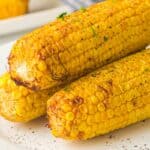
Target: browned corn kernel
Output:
{"points": [[11, 8], [108, 99], [19, 104], [80, 42]]}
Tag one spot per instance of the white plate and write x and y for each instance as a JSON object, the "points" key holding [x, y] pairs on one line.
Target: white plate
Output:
{"points": [[40, 12], [36, 136]]}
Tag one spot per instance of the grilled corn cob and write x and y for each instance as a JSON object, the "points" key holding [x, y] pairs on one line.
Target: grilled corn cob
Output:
{"points": [[78, 43], [110, 98], [19, 104], [11, 8]]}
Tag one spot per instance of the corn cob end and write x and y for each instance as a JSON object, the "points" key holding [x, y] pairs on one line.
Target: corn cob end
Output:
{"points": [[19, 104]]}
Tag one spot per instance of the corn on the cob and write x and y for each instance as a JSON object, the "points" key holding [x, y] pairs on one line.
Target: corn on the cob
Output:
{"points": [[110, 98], [11, 8], [19, 104], [78, 43]]}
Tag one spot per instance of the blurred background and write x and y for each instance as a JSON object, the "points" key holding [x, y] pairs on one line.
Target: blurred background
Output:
{"points": [[18, 17]]}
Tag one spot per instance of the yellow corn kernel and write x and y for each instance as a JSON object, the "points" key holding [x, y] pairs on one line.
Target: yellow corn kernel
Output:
{"points": [[2, 83], [94, 100], [92, 109], [69, 116], [90, 120], [16, 94], [83, 109], [110, 113], [42, 66], [74, 133], [101, 107], [66, 107], [82, 126], [130, 107], [97, 117]]}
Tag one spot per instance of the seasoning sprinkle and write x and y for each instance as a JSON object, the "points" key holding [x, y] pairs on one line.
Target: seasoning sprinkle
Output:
{"points": [[147, 69], [67, 88], [82, 9], [94, 32], [62, 15], [105, 38]]}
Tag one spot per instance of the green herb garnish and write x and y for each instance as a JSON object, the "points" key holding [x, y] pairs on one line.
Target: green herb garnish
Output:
{"points": [[83, 9], [95, 74], [105, 38], [147, 69], [62, 15], [93, 31], [67, 88]]}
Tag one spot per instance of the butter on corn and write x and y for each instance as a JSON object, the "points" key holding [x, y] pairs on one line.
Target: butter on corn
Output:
{"points": [[110, 98], [11, 8], [19, 104], [78, 43]]}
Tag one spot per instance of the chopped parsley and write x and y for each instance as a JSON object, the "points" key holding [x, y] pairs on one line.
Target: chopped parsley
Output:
{"points": [[67, 88], [62, 15], [95, 74], [83, 9], [147, 69], [93, 31], [105, 38]]}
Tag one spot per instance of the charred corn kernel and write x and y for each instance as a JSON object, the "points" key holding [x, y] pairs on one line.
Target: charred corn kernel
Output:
{"points": [[11, 8], [80, 42], [133, 71], [19, 104]]}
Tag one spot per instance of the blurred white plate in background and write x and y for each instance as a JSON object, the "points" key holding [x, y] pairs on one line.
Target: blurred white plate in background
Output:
{"points": [[38, 5], [40, 12]]}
